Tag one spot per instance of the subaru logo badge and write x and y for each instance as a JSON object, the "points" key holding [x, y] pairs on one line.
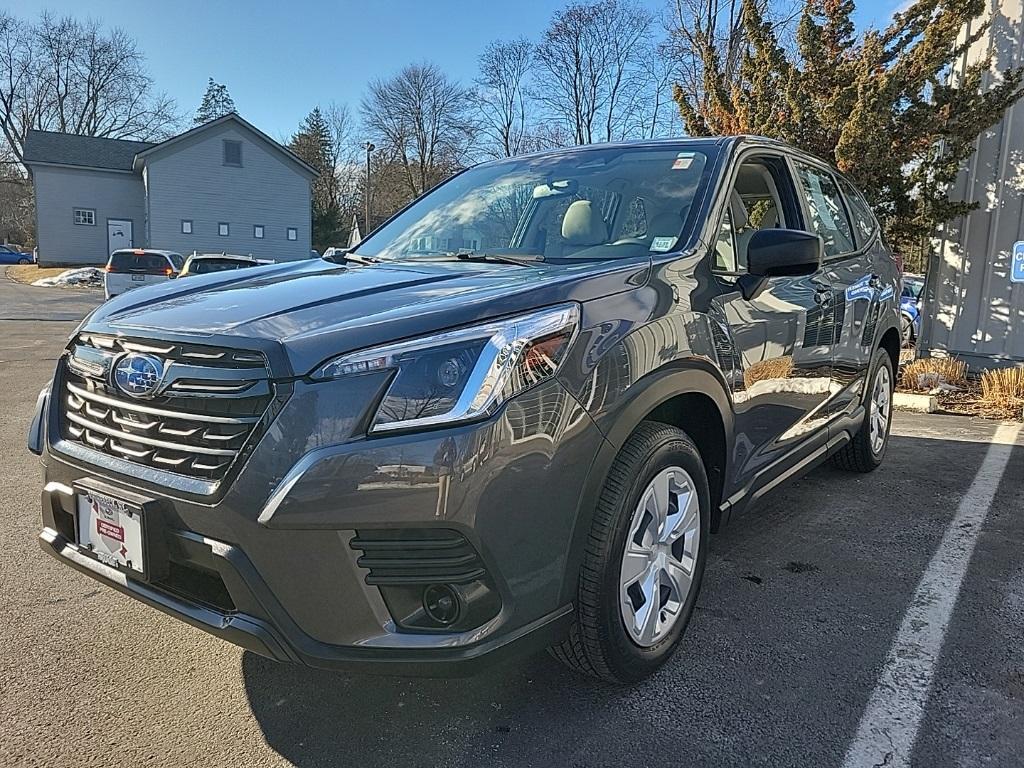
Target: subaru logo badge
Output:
{"points": [[138, 375]]}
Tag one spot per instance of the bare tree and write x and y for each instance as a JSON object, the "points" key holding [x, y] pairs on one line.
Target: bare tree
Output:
{"points": [[501, 98], [65, 75], [590, 67], [420, 119], [347, 162]]}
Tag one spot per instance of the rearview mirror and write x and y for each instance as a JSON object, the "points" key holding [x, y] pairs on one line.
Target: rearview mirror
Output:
{"points": [[555, 189], [783, 252]]}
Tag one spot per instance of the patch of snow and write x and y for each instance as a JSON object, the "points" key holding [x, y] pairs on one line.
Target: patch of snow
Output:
{"points": [[86, 277]]}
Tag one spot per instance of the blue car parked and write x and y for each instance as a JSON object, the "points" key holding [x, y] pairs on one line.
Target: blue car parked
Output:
{"points": [[10, 256], [910, 309]]}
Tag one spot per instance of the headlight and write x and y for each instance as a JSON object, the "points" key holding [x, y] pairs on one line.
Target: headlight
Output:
{"points": [[465, 374]]}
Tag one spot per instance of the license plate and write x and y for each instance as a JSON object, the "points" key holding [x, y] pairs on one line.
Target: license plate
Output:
{"points": [[139, 278], [111, 530]]}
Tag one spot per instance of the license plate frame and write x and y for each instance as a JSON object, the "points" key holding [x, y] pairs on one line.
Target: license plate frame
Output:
{"points": [[138, 278], [145, 514]]}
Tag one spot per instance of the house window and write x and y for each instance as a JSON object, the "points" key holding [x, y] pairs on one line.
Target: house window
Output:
{"points": [[257, 231], [232, 152], [186, 226], [86, 216], [223, 229], [293, 233]]}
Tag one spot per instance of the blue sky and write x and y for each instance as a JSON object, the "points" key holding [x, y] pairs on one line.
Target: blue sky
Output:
{"points": [[279, 59]]}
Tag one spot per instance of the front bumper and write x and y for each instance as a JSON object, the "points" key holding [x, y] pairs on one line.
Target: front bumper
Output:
{"points": [[269, 565]]}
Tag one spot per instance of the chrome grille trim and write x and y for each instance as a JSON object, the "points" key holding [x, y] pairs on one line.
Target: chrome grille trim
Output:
{"points": [[209, 405], [93, 426], [136, 406]]}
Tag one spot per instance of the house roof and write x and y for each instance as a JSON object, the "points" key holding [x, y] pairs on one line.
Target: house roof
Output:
{"points": [[154, 149], [51, 148], [68, 149]]}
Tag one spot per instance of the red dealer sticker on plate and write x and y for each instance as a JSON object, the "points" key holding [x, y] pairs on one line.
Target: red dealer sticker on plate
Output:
{"points": [[104, 528]]}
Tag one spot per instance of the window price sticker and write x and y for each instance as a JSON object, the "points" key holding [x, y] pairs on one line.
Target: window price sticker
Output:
{"points": [[683, 161]]}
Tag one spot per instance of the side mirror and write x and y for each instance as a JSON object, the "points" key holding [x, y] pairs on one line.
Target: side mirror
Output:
{"points": [[783, 252]]}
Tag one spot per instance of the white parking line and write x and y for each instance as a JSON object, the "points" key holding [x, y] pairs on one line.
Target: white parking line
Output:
{"points": [[889, 725]]}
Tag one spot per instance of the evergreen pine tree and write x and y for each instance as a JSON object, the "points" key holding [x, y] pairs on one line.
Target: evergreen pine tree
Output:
{"points": [[885, 106], [314, 144], [216, 102]]}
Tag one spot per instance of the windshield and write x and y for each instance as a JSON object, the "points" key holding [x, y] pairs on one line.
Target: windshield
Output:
{"points": [[143, 263], [589, 204]]}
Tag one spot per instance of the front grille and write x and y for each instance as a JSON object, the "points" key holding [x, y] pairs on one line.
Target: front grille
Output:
{"points": [[209, 402], [417, 556]]}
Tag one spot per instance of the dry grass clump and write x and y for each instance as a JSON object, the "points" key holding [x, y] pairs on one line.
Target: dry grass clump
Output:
{"points": [[928, 372], [28, 273], [779, 368], [1002, 390]]}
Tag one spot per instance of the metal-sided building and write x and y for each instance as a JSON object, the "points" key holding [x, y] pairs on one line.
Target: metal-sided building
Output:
{"points": [[222, 186], [973, 305]]}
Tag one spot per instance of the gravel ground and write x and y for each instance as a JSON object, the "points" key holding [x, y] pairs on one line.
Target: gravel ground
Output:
{"points": [[802, 599]]}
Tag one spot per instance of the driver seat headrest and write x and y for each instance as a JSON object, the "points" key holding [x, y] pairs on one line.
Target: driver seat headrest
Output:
{"points": [[740, 217], [582, 225]]}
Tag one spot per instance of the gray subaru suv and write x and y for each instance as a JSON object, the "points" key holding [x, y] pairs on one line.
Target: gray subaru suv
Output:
{"points": [[509, 419]]}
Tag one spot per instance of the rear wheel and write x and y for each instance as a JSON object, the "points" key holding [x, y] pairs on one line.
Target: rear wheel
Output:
{"points": [[864, 453], [644, 558]]}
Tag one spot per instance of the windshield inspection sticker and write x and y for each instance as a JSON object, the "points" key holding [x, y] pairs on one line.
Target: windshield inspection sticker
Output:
{"points": [[683, 161], [662, 244], [1017, 265]]}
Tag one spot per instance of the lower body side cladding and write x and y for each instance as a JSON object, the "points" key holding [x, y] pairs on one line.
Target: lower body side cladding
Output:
{"points": [[271, 564]]}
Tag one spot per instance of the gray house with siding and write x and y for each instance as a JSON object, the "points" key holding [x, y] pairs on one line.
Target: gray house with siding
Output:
{"points": [[222, 186]]}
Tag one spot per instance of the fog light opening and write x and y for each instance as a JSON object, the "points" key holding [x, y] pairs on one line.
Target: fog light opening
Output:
{"points": [[441, 604]]}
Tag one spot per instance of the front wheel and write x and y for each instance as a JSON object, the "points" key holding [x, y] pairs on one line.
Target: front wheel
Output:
{"points": [[644, 558], [864, 453], [24, 261]]}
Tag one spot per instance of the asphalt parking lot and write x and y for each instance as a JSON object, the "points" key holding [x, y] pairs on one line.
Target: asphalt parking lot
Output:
{"points": [[833, 629]]}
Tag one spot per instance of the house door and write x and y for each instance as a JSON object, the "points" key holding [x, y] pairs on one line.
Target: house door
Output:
{"points": [[119, 234]]}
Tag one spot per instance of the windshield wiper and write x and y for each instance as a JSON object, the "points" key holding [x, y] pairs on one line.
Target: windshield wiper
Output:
{"points": [[468, 255], [348, 257]]}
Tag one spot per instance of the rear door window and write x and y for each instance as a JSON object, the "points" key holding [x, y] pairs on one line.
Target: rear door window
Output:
{"points": [[202, 266], [826, 209]]}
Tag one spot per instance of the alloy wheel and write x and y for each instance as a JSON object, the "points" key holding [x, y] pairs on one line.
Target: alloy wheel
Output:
{"points": [[881, 405], [660, 557]]}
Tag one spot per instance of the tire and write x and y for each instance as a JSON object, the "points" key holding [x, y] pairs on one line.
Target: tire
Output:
{"points": [[864, 453], [24, 261], [600, 644]]}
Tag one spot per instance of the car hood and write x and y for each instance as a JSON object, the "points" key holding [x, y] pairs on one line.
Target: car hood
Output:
{"points": [[316, 309]]}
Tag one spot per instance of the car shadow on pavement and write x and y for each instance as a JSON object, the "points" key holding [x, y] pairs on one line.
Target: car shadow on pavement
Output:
{"points": [[317, 718], [796, 615]]}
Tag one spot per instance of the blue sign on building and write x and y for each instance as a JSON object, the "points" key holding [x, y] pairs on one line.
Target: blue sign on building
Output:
{"points": [[1017, 267]]}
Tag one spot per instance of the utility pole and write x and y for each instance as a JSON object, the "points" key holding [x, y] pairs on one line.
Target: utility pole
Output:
{"points": [[366, 192]]}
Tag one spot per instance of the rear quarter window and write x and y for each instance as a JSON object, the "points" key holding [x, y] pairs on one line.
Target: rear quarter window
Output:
{"points": [[864, 222]]}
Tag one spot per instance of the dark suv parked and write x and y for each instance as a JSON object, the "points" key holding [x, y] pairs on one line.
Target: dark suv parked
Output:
{"points": [[511, 418]]}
